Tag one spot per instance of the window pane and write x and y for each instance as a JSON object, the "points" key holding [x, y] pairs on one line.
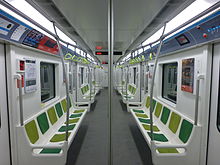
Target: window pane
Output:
{"points": [[47, 78], [81, 72], [135, 72], [170, 81], [146, 78]]}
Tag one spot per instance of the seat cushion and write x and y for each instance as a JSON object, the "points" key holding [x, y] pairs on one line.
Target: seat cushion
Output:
{"points": [[147, 127], [138, 111], [31, 131], [141, 115], [159, 137], [75, 115], [70, 127], [71, 121], [50, 151], [165, 115], [147, 121], [185, 131], [59, 110], [158, 110], [174, 122], [64, 105], [59, 137], [43, 122], [167, 150], [52, 115], [79, 111]]}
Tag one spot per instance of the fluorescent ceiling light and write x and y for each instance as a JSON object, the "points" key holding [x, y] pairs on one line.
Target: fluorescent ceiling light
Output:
{"points": [[27, 9], [191, 11]]}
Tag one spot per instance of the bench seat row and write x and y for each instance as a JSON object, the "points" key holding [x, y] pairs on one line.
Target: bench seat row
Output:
{"points": [[173, 133], [169, 126], [50, 126]]}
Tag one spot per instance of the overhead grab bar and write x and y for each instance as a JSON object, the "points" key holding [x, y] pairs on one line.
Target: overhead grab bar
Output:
{"points": [[152, 83], [199, 77], [65, 78], [18, 77]]}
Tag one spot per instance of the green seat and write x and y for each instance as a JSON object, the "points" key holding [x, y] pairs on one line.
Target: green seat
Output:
{"points": [[71, 121], [141, 115], [70, 127], [75, 115], [79, 111], [43, 122], [59, 110], [134, 90], [59, 137], [52, 115], [185, 131], [174, 122], [158, 110], [147, 121], [64, 105], [147, 127], [50, 151], [159, 137], [138, 111], [165, 115], [31, 131], [83, 90], [167, 150], [148, 102]]}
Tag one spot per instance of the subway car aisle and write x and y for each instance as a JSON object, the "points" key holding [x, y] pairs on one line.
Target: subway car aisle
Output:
{"points": [[90, 145]]}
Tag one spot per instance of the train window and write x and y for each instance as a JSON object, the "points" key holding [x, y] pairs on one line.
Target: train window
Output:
{"points": [[146, 78], [135, 72], [47, 78], [82, 74], [169, 88]]}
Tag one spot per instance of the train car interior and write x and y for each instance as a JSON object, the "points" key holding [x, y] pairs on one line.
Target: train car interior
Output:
{"points": [[109, 82]]}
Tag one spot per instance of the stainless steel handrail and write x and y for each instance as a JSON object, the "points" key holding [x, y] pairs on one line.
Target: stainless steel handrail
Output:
{"points": [[66, 81], [199, 77], [152, 83], [18, 77]]}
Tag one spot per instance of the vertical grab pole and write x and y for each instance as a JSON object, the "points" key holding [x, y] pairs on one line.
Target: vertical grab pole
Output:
{"points": [[65, 78], [197, 98], [19, 79], [126, 88], [110, 68], [90, 84], [152, 84]]}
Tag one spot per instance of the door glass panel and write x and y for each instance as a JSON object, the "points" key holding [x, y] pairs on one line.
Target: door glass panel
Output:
{"points": [[170, 81]]}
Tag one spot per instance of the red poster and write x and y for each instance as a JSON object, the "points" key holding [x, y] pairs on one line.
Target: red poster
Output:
{"points": [[48, 45], [187, 75]]}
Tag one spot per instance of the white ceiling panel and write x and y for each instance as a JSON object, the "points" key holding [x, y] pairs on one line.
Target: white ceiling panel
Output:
{"points": [[89, 19]]}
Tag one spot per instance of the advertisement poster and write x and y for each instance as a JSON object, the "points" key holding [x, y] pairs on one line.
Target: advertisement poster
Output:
{"points": [[30, 76], [33, 38], [48, 45], [187, 75]]}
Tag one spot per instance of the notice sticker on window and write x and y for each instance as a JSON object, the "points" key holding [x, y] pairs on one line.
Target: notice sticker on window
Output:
{"points": [[187, 75]]}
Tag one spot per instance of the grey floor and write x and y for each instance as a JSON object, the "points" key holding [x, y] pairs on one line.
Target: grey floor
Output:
{"points": [[90, 146]]}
